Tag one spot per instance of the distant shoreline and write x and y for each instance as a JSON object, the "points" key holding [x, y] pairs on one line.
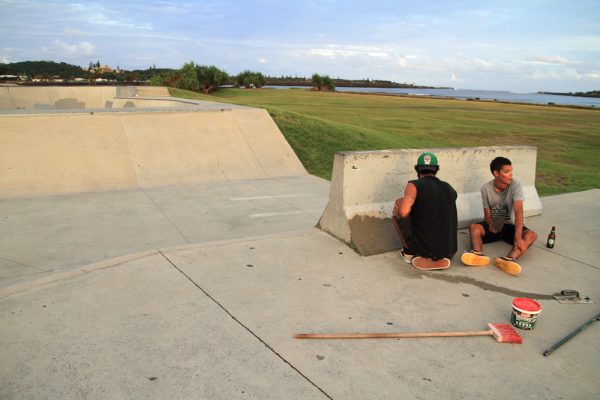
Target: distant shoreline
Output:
{"points": [[466, 94]]}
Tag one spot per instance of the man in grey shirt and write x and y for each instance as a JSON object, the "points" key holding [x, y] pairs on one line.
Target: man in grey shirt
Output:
{"points": [[501, 197]]}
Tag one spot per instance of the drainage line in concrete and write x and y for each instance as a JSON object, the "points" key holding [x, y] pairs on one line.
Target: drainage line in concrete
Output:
{"points": [[25, 265], [164, 215], [245, 327]]}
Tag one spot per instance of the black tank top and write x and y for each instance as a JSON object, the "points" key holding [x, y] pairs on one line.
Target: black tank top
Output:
{"points": [[434, 218]]}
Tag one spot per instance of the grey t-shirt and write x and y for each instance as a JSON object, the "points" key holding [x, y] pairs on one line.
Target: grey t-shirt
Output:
{"points": [[501, 203]]}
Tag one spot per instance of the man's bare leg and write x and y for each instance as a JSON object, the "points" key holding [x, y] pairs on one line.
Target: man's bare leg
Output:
{"points": [[475, 257], [476, 233], [509, 263], [395, 222], [529, 238]]}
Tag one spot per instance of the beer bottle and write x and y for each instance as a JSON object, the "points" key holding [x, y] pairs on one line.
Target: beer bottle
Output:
{"points": [[551, 238]]}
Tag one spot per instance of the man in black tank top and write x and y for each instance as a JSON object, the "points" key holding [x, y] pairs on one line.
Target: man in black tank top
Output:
{"points": [[426, 219]]}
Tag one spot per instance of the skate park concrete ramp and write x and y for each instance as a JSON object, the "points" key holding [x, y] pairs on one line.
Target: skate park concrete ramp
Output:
{"points": [[84, 185], [49, 151]]}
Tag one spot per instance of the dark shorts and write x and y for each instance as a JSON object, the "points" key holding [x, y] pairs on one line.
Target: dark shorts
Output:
{"points": [[507, 233]]}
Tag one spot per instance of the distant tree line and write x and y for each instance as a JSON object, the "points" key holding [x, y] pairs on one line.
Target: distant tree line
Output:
{"points": [[67, 72], [592, 93], [43, 69], [191, 76], [206, 79]]}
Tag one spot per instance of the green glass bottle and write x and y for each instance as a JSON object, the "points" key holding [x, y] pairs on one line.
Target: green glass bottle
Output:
{"points": [[551, 238]]}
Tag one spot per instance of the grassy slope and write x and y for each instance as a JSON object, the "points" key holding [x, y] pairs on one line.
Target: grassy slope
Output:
{"points": [[318, 124]]}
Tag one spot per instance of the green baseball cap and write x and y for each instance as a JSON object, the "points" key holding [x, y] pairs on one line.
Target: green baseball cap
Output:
{"points": [[427, 161]]}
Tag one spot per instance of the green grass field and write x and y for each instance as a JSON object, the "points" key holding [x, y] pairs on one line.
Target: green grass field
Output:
{"points": [[318, 124]]}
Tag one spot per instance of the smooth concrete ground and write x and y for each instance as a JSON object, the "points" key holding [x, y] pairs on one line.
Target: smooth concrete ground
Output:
{"points": [[46, 235], [215, 320]]}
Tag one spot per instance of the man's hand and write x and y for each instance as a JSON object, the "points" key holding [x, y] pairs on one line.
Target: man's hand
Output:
{"points": [[487, 216], [520, 244]]}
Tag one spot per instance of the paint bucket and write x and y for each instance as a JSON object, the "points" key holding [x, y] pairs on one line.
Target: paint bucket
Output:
{"points": [[525, 313]]}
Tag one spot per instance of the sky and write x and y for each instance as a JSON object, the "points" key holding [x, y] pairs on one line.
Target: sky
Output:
{"points": [[521, 46]]}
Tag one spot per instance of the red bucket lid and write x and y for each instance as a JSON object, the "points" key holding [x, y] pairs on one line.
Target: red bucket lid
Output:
{"points": [[525, 304]]}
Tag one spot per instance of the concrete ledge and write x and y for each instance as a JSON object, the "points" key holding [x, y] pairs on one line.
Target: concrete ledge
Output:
{"points": [[52, 98], [364, 186], [58, 97]]}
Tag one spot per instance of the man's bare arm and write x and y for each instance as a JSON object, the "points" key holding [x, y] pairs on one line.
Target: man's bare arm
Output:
{"points": [[487, 217], [518, 210], [404, 204]]}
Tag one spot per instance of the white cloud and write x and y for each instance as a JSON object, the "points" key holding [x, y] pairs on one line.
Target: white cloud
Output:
{"points": [[73, 32], [541, 75], [480, 64], [68, 49], [87, 48], [262, 61], [338, 51], [99, 18], [402, 61], [330, 53], [570, 75], [550, 60]]}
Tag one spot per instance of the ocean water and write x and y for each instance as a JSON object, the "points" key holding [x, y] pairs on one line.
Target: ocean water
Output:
{"points": [[466, 94]]}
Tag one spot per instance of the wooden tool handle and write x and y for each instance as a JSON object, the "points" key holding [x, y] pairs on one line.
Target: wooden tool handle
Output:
{"points": [[389, 335]]}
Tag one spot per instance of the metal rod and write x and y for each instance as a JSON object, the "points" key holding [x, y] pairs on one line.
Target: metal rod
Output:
{"points": [[570, 335]]}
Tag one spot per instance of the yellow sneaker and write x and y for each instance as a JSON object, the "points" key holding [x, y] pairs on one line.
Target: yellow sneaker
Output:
{"points": [[508, 265], [474, 259]]}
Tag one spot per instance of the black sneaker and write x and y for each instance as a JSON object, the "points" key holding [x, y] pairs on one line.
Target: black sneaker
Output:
{"points": [[508, 265], [407, 257]]}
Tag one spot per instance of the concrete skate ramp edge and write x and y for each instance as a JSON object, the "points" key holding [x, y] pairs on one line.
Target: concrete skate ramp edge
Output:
{"points": [[83, 97], [57, 153], [365, 185]]}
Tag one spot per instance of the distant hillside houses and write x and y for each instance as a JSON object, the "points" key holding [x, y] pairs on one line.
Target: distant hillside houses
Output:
{"points": [[50, 72], [13, 77], [103, 69], [56, 79]]}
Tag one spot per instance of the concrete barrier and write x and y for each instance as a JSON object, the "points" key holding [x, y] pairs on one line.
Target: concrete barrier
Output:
{"points": [[58, 153], [364, 186]]}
